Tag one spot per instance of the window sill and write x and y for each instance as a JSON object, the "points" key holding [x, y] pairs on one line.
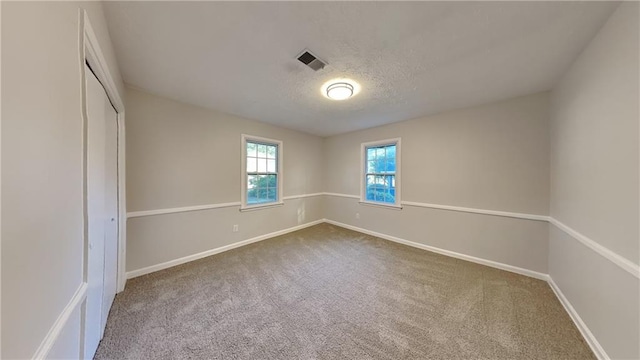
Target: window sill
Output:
{"points": [[381, 205], [261, 206]]}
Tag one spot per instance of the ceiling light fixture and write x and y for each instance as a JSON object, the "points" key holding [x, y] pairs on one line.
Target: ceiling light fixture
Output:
{"points": [[340, 89]]}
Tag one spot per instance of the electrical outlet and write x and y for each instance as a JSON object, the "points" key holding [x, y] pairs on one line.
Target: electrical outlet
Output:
{"points": [[235, 228], [357, 215]]}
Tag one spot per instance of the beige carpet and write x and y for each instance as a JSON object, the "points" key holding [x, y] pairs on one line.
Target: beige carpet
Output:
{"points": [[330, 293]]}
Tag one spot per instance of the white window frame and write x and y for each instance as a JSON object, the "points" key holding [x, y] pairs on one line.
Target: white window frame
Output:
{"points": [[363, 171], [279, 161]]}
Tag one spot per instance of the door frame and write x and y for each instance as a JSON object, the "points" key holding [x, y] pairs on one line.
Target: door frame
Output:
{"points": [[92, 53]]}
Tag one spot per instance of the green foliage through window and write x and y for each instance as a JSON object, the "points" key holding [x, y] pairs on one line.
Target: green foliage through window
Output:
{"points": [[380, 170], [262, 173]]}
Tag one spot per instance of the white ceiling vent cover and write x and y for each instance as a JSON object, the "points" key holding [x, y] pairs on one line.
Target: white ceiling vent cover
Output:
{"points": [[312, 61]]}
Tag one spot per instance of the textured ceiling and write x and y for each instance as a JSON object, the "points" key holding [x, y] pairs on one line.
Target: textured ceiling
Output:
{"points": [[411, 59]]}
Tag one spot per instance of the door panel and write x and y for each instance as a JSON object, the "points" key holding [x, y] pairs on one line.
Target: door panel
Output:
{"points": [[102, 207], [111, 212], [95, 210]]}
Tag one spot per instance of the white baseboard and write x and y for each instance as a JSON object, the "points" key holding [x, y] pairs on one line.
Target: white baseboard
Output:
{"points": [[494, 264], [186, 259], [52, 336], [182, 260], [584, 330], [582, 327]]}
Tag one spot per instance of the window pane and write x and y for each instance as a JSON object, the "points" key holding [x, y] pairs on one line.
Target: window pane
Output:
{"points": [[375, 166], [375, 187], [370, 188], [271, 151], [272, 194], [391, 159], [251, 149], [381, 188], [370, 180], [380, 160], [261, 189], [390, 165], [371, 153], [262, 165], [273, 182], [391, 189], [271, 165], [371, 166], [262, 151], [253, 188], [391, 152], [251, 181], [261, 159], [251, 165], [252, 191]]}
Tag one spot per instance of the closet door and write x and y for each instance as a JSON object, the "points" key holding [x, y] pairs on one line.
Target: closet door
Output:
{"points": [[101, 209], [111, 212]]}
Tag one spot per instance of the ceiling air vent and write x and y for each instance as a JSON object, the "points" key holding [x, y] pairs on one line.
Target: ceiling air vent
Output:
{"points": [[311, 60]]}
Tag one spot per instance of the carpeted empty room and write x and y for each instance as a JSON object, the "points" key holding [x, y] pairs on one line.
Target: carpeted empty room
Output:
{"points": [[330, 293], [320, 180]]}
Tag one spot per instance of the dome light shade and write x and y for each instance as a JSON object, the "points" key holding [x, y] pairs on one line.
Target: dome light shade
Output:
{"points": [[339, 91]]}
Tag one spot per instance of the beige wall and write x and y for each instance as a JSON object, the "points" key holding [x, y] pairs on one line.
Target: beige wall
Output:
{"points": [[493, 157], [604, 295], [595, 182], [489, 157], [183, 155], [595, 138], [517, 242], [154, 240], [42, 246]]}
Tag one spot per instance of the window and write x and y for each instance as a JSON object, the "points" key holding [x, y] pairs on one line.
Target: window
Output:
{"points": [[262, 172], [381, 173]]}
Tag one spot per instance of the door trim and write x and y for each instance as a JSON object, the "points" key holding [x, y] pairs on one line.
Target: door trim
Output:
{"points": [[92, 53]]}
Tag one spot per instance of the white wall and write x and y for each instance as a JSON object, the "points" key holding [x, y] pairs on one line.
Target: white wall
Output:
{"points": [[493, 157], [595, 182], [182, 155], [42, 245]]}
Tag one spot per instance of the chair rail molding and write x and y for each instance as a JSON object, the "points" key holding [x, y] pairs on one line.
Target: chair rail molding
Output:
{"points": [[620, 261], [608, 254], [54, 332]]}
